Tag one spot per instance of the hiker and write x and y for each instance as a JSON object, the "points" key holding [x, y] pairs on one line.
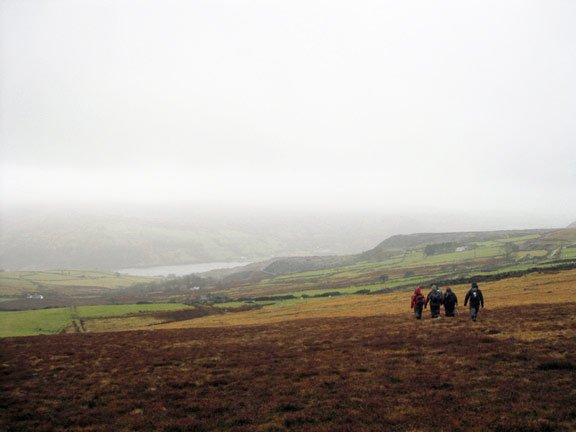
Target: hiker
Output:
{"points": [[417, 302], [435, 298], [450, 302], [476, 298]]}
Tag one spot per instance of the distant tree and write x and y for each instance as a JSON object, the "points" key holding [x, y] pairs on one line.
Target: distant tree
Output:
{"points": [[409, 274], [429, 250], [384, 278], [509, 249], [439, 248]]}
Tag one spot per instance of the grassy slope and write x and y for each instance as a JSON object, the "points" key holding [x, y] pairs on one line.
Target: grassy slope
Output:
{"points": [[532, 288], [27, 323], [52, 321], [346, 280], [63, 281], [514, 370], [79, 238], [487, 258]]}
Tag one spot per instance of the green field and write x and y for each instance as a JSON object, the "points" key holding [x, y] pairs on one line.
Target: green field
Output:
{"points": [[52, 321], [34, 322], [404, 269], [568, 253], [17, 283], [404, 266]]}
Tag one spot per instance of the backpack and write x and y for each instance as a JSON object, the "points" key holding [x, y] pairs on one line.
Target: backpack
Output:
{"points": [[450, 298], [474, 296], [435, 297], [419, 300]]}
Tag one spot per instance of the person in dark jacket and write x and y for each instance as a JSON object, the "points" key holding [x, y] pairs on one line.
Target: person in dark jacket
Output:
{"points": [[417, 302], [435, 298], [476, 299], [450, 302]]}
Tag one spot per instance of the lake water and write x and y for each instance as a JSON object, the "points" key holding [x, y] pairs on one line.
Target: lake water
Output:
{"points": [[180, 270]]}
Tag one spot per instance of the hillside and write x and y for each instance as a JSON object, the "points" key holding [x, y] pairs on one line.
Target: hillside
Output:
{"points": [[406, 251], [327, 363], [567, 236], [65, 282], [514, 370], [280, 284], [458, 238], [83, 241], [48, 238], [546, 287], [39, 239]]}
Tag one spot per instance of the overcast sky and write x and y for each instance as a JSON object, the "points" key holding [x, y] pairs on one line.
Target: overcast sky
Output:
{"points": [[388, 105]]}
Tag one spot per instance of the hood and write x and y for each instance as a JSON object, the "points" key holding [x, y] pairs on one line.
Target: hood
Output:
{"points": [[418, 291]]}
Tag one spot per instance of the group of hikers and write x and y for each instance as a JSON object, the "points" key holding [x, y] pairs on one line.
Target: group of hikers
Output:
{"points": [[448, 299]]}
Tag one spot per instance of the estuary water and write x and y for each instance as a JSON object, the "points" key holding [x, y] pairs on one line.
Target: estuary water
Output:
{"points": [[180, 270]]}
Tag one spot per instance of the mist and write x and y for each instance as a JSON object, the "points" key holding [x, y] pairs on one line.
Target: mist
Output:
{"points": [[414, 116]]}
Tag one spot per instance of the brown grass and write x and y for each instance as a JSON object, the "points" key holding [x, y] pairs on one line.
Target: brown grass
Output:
{"points": [[533, 288], [125, 322], [514, 370]]}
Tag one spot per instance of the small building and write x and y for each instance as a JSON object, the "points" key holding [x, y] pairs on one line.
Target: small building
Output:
{"points": [[35, 296], [527, 257]]}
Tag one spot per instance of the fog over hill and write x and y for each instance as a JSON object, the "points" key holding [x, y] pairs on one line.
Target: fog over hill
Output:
{"points": [[240, 130], [111, 238]]}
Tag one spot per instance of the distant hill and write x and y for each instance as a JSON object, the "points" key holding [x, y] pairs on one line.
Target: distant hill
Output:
{"points": [[423, 239], [572, 225], [39, 239], [536, 239], [78, 241], [567, 235], [110, 239], [282, 266]]}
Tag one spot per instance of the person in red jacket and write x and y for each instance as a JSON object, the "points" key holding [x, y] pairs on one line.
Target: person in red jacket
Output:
{"points": [[417, 302]]}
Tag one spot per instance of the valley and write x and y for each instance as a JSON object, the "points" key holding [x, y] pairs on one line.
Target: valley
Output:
{"points": [[301, 287], [327, 349]]}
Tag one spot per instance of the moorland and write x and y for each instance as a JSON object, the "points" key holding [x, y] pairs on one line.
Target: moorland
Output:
{"points": [[48, 302], [514, 370], [328, 348]]}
